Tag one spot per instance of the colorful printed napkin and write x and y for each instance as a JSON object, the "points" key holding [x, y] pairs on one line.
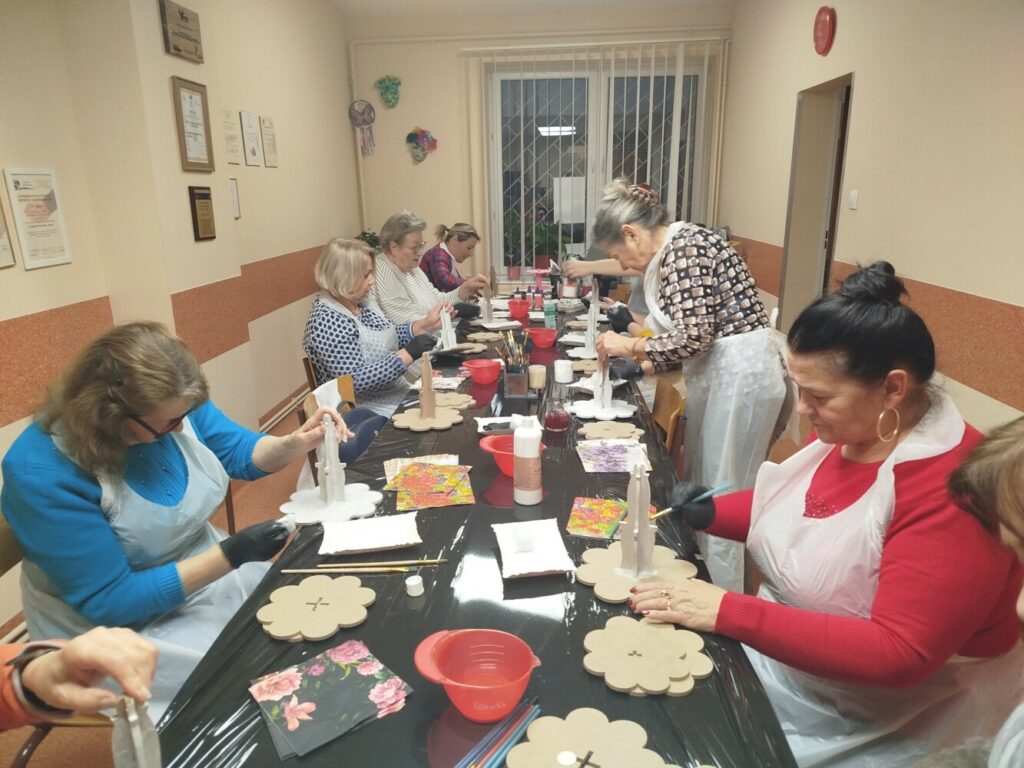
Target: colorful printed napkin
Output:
{"points": [[425, 486], [317, 701], [393, 466], [610, 454], [596, 518]]}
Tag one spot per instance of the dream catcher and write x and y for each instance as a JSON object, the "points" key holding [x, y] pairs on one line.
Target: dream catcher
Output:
{"points": [[361, 114]]}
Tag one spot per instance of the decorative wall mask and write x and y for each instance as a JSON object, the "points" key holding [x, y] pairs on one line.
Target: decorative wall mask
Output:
{"points": [[421, 143], [387, 86]]}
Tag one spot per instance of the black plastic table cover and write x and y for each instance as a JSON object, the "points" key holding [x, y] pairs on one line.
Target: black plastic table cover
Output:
{"points": [[726, 721]]}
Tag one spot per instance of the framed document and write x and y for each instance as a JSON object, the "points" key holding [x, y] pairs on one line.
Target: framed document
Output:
{"points": [[236, 205], [181, 31], [192, 116], [38, 218], [232, 136], [201, 201], [269, 141], [6, 251], [251, 138]]}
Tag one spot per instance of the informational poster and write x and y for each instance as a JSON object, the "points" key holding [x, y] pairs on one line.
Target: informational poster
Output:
{"points": [[269, 142], [38, 219], [232, 136], [251, 139], [6, 251]]}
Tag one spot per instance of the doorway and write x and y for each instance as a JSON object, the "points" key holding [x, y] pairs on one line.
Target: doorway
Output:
{"points": [[815, 187]]}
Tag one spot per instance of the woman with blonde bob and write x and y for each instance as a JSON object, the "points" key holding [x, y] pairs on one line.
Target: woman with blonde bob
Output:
{"points": [[110, 492], [455, 244], [345, 335]]}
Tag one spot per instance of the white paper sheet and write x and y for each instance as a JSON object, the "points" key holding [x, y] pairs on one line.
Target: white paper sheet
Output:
{"points": [[532, 548], [373, 534]]}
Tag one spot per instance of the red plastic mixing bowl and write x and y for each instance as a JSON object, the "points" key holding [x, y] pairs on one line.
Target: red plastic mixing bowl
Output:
{"points": [[483, 371], [501, 448]]}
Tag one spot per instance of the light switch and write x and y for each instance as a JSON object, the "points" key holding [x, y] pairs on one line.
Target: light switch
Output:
{"points": [[854, 197]]}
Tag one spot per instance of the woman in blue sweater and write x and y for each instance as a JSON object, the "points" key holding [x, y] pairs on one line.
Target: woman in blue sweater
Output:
{"points": [[110, 492]]}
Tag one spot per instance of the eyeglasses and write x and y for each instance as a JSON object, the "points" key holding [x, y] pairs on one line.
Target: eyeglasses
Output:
{"points": [[171, 424], [418, 248]]}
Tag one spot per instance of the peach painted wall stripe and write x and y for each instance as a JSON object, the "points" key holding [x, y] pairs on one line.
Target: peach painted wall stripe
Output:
{"points": [[214, 318], [977, 340], [35, 348], [277, 408], [274, 283], [764, 261]]}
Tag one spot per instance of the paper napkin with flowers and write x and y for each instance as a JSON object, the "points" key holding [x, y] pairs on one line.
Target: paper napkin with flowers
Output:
{"points": [[422, 485], [314, 702]]}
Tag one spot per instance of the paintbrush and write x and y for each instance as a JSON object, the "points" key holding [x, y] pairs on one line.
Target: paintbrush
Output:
{"points": [[703, 497], [385, 563]]}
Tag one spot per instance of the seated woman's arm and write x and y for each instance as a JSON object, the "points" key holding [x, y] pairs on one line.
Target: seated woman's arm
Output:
{"points": [[333, 345], [45, 496], [939, 581]]}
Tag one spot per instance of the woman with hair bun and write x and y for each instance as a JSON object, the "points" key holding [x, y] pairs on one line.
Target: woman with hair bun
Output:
{"points": [[884, 629], [705, 317], [455, 244]]}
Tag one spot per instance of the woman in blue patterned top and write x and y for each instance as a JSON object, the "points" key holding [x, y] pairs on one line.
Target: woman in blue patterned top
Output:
{"points": [[110, 492], [346, 335]]}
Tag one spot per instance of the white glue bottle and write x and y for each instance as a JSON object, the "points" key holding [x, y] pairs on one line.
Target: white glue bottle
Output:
{"points": [[526, 477]]}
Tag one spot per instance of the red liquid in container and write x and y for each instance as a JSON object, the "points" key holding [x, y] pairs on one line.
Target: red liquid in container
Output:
{"points": [[556, 421]]}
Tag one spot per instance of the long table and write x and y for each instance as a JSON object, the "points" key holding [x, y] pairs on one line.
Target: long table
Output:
{"points": [[726, 721]]}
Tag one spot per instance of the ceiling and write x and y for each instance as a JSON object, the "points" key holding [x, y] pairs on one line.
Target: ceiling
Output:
{"points": [[407, 8]]}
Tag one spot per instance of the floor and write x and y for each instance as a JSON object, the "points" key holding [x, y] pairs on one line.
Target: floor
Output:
{"points": [[90, 747]]}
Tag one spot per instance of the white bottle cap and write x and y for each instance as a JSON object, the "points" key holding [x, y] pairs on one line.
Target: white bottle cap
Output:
{"points": [[414, 586]]}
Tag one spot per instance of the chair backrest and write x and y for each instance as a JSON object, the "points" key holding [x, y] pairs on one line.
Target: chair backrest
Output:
{"points": [[10, 549], [307, 366], [676, 449], [668, 405]]}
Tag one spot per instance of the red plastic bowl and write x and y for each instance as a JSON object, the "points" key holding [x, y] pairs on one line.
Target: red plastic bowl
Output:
{"points": [[543, 337], [483, 371], [484, 672], [501, 447]]}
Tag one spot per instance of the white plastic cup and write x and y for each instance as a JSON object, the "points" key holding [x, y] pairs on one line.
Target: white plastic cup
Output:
{"points": [[563, 371], [414, 586]]}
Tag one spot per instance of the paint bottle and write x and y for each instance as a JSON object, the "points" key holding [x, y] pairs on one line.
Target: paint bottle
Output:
{"points": [[526, 475]]}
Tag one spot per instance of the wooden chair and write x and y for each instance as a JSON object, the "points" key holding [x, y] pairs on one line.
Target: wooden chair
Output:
{"points": [[10, 556], [668, 407], [347, 393]]}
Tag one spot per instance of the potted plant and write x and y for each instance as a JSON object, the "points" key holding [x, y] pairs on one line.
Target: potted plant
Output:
{"points": [[512, 244], [543, 243], [372, 239]]}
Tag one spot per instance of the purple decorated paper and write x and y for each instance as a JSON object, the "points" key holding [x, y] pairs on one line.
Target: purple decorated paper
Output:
{"points": [[611, 455]]}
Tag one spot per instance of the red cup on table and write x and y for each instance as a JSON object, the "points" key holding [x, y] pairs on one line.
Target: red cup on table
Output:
{"points": [[519, 309]]}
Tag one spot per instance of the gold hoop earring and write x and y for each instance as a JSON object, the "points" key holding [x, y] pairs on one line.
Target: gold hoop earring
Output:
{"points": [[895, 430]]}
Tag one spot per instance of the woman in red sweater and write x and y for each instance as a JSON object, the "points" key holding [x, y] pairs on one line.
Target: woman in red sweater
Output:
{"points": [[885, 627]]}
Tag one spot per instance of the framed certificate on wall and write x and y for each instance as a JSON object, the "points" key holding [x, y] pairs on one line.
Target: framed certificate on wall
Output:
{"points": [[192, 118]]}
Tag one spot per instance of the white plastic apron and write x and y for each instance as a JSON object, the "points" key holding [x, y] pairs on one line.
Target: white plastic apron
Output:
{"points": [[734, 393], [1008, 748], [150, 535], [376, 345], [831, 565]]}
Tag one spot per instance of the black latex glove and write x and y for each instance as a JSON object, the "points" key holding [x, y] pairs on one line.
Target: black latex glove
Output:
{"points": [[466, 311], [697, 514], [586, 300], [624, 369], [419, 344], [620, 317], [256, 543]]}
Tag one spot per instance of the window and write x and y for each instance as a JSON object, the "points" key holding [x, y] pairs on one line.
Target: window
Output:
{"points": [[562, 124]]}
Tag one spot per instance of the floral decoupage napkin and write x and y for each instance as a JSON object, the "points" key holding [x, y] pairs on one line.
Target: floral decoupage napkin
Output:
{"points": [[317, 701], [423, 486], [597, 518], [611, 454]]}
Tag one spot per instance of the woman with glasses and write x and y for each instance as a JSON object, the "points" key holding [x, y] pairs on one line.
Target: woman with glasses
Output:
{"points": [[110, 491], [401, 290], [346, 335], [455, 244]]}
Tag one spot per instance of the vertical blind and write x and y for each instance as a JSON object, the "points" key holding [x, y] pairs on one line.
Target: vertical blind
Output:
{"points": [[561, 121]]}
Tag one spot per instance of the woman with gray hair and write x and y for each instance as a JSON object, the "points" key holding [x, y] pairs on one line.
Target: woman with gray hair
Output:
{"points": [[345, 335], [110, 492], [402, 290], [706, 318]]}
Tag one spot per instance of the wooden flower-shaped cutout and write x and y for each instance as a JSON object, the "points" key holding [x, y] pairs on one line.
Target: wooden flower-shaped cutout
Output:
{"points": [[584, 737], [644, 657], [315, 608], [444, 418], [600, 569], [455, 400]]}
